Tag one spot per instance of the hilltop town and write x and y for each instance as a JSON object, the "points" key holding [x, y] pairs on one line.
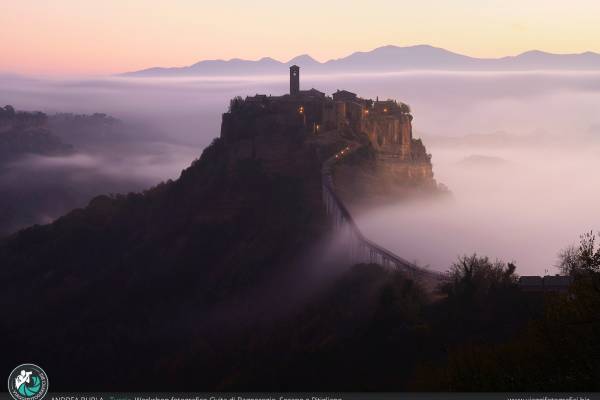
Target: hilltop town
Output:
{"points": [[286, 132], [237, 254]]}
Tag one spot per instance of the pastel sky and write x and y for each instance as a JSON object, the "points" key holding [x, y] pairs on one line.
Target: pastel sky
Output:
{"points": [[110, 36]]}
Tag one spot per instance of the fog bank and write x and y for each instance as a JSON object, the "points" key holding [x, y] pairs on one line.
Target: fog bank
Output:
{"points": [[518, 204], [518, 150]]}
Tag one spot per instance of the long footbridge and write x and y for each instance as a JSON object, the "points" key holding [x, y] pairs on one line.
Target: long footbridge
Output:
{"points": [[360, 249]]}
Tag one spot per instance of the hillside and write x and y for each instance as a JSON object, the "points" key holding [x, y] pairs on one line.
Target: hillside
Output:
{"points": [[182, 275], [226, 278], [146, 263]]}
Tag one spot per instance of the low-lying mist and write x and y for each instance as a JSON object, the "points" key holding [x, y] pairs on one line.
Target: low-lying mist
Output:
{"points": [[37, 189], [518, 150], [520, 204]]}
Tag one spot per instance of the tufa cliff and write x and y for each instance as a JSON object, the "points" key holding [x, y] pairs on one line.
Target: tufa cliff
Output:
{"points": [[185, 272], [293, 134]]}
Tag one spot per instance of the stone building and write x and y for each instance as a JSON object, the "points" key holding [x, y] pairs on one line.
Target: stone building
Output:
{"points": [[548, 283], [386, 123], [294, 80], [258, 124]]}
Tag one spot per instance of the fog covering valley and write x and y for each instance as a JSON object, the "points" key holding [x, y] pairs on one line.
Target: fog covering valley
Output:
{"points": [[518, 150]]}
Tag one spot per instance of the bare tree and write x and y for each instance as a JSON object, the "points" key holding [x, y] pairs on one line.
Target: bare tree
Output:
{"points": [[584, 258]]}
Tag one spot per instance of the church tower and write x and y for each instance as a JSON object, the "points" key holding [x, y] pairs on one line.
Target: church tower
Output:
{"points": [[294, 80]]}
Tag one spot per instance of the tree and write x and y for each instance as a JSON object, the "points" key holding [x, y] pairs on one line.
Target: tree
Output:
{"points": [[404, 108], [473, 276], [236, 104], [582, 259], [8, 110]]}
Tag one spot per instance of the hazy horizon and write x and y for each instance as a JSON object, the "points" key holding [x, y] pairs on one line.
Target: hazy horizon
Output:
{"points": [[273, 73]]}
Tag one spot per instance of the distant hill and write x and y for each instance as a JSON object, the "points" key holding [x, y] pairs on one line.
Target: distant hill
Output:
{"points": [[385, 59], [27, 133], [90, 132], [479, 160]]}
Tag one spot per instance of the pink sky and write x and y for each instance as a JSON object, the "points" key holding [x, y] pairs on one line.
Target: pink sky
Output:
{"points": [[111, 36]]}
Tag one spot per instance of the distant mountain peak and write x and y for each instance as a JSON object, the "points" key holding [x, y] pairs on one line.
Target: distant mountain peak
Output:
{"points": [[303, 59], [534, 52], [414, 46], [388, 58], [268, 59]]}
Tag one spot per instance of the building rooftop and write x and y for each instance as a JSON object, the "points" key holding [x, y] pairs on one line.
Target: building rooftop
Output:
{"points": [[552, 283]]}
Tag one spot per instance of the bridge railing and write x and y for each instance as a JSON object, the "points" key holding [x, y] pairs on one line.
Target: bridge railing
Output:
{"points": [[361, 249]]}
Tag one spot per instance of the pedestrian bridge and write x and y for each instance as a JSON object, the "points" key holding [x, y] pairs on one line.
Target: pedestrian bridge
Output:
{"points": [[361, 250]]}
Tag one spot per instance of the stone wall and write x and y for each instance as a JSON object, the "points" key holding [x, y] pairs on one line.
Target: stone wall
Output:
{"points": [[285, 135], [278, 143]]}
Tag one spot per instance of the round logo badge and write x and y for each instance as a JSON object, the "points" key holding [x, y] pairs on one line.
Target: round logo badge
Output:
{"points": [[28, 382]]}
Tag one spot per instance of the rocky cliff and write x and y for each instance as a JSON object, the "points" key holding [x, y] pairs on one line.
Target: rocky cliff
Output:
{"points": [[182, 272], [293, 135], [393, 167]]}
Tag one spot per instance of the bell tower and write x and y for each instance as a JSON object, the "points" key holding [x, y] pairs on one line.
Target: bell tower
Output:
{"points": [[294, 80]]}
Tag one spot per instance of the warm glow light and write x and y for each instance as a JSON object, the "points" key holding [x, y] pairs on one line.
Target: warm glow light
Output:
{"points": [[111, 36]]}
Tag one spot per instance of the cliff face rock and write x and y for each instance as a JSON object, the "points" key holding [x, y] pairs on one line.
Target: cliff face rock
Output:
{"points": [[278, 143], [241, 219], [276, 140], [368, 179], [394, 166], [293, 135]]}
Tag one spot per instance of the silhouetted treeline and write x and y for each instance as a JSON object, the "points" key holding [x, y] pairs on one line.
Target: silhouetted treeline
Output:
{"points": [[196, 285], [27, 133], [557, 351], [138, 277]]}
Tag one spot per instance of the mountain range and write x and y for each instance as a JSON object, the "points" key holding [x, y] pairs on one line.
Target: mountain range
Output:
{"points": [[384, 59]]}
